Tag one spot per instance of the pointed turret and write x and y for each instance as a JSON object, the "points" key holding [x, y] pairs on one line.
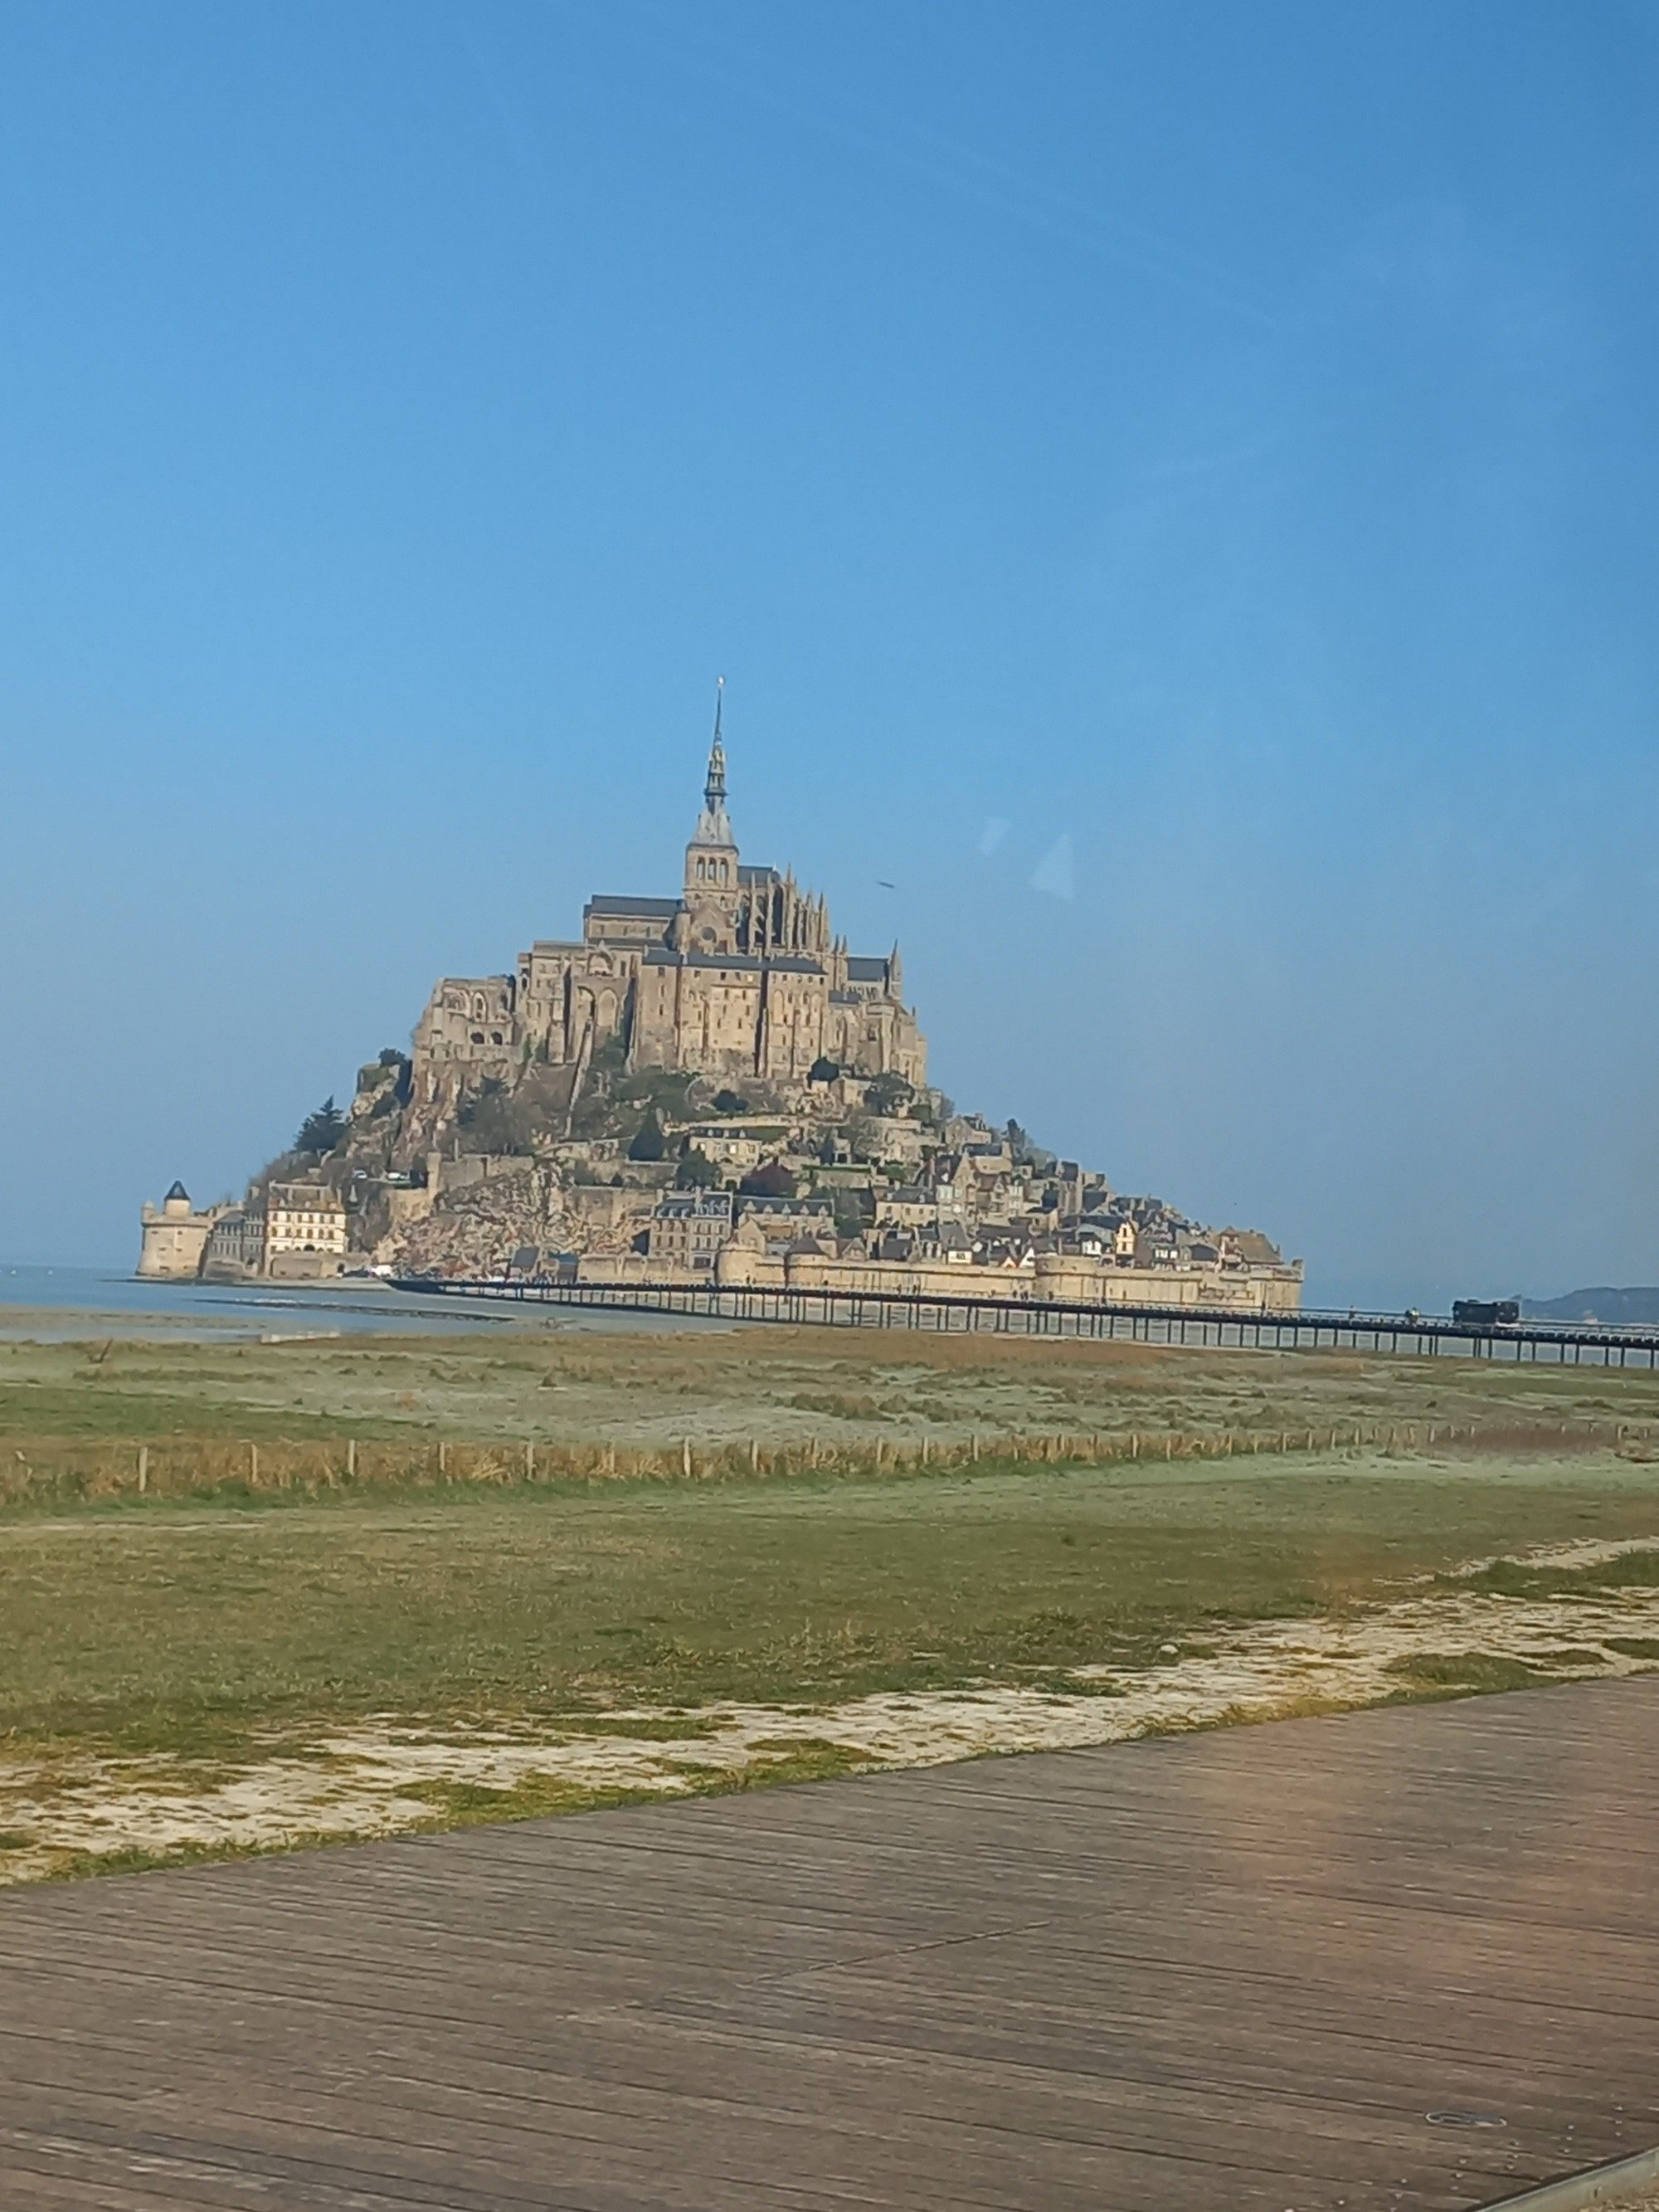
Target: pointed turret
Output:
{"points": [[714, 791]]}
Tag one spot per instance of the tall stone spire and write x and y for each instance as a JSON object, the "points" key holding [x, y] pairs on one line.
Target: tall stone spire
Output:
{"points": [[714, 826], [714, 791]]}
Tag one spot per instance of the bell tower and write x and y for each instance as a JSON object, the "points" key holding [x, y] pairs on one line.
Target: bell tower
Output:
{"points": [[711, 858]]}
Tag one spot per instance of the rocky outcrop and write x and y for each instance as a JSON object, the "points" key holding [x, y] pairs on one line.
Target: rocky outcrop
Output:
{"points": [[478, 1229]]}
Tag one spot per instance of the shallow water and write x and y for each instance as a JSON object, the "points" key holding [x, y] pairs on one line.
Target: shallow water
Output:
{"points": [[54, 1304]]}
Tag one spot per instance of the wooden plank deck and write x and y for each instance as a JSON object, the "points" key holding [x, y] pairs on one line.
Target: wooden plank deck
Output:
{"points": [[1237, 1970]]}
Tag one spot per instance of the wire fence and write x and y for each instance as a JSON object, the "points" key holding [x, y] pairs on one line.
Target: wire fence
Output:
{"points": [[43, 1470]]}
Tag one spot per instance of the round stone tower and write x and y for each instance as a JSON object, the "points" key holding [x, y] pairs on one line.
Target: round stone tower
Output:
{"points": [[174, 1239]]}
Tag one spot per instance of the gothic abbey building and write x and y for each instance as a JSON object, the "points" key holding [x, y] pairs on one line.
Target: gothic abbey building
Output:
{"points": [[739, 975]]}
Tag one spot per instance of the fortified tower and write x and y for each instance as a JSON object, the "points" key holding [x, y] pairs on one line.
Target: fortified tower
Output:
{"points": [[712, 898], [174, 1236]]}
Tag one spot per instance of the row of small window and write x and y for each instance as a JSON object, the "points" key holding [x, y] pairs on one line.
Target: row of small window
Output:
{"points": [[712, 871]]}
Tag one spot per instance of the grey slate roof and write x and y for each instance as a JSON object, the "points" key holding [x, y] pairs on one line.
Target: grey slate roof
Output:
{"points": [[702, 1205], [655, 910], [866, 971]]}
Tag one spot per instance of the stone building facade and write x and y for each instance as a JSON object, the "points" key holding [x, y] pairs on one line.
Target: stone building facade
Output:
{"points": [[689, 1228], [304, 1232], [236, 1247], [740, 974]]}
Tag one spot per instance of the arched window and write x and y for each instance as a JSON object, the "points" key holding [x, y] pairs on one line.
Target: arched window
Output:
{"points": [[722, 872], [700, 871]]}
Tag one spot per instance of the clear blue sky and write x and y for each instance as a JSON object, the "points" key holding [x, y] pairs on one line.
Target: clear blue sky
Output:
{"points": [[1220, 436]]}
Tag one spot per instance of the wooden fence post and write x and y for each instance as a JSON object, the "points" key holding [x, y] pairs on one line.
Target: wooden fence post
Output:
{"points": [[253, 1466], [351, 1458], [143, 1468], [685, 1456]]}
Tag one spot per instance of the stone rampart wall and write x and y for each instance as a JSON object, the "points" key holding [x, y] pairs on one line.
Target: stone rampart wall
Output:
{"points": [[1054, 1278], [172, 1248]]}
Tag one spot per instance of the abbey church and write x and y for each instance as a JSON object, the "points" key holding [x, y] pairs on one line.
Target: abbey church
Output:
{"points": [[740, 975]]}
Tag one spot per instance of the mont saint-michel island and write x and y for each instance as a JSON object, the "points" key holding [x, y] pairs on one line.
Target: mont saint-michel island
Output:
{"points": [[710, 1088]]}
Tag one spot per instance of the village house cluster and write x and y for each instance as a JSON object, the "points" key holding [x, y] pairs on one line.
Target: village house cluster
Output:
{"points": [[705, 1089], [917, 1200]]}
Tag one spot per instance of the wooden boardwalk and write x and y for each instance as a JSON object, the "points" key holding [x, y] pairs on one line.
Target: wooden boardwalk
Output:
{"points": [[1238, 1969]]}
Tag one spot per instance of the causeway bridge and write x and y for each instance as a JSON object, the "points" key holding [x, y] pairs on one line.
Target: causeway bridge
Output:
{"points": [[1223, 1327]]}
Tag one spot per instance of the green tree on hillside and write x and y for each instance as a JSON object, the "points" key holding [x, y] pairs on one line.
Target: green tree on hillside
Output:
{"points": [[321, 1130], [771, 1180], [888, 1094], [649, 1143]]}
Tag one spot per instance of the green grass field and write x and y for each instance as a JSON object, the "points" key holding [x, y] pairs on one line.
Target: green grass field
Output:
{"points": [[207, 1624]]}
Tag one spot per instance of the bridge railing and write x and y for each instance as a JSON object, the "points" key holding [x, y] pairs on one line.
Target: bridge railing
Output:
{"points": [[1220, 1327]]}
